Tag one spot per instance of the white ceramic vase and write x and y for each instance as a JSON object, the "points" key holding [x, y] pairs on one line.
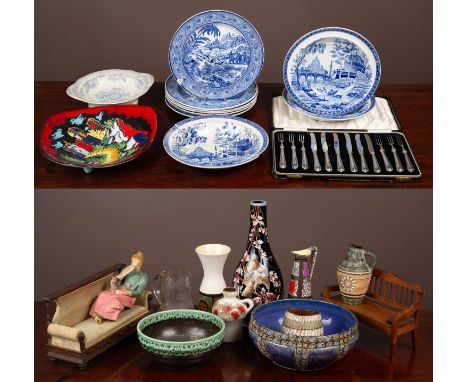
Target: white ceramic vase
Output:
{"points": [[212, 258]]}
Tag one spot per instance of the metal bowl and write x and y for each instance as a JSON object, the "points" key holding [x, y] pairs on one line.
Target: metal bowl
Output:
{"points": [[291, 351], [182, 338]]}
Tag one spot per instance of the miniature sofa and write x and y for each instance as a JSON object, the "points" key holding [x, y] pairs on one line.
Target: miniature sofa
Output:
{"points": [[74, 336]]}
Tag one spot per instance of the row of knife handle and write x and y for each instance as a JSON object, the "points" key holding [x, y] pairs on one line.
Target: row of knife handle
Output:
{"points": [[340, 166]]}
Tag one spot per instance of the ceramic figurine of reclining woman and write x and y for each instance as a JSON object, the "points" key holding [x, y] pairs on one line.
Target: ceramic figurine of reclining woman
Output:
{"points": [[124, 288]]}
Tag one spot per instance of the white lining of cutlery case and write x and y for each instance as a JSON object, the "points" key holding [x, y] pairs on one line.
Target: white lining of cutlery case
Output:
{"points": [[380, 118]]}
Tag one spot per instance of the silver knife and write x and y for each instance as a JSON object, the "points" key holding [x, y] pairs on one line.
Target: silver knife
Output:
{"points": [[370, 147], [336, 144], [313, 145], [349, 147], [323, 139], [360, 150]]}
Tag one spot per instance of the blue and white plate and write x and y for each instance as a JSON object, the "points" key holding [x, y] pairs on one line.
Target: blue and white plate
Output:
{"points": [[178, 96], [215, 141], [331, 71], [216, 55], [368, 106], [191, 113]]}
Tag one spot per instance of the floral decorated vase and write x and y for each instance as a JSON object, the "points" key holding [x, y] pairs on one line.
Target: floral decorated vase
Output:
{"points": [[258, 275], [232, 311], [354, 274]]}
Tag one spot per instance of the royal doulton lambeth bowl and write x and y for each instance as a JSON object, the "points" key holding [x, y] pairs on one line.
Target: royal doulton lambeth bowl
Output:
{"points": [[182, 338], [290, 351]]}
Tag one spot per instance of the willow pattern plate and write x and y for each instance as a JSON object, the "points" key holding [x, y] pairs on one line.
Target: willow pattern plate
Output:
{"points": [[215, 141], [331, 71], [216, 55]]}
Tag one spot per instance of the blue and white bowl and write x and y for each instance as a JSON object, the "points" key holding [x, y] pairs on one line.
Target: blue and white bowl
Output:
{"points": [[290, 351], [111, 87]]}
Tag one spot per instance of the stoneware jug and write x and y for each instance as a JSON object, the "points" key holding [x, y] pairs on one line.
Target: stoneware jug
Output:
{"points": [[212, 257], [300, 285], [354, 274], [233, 311]]}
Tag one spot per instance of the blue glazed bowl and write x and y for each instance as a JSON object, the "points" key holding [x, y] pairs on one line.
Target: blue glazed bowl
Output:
{"points": [[303, 352]]}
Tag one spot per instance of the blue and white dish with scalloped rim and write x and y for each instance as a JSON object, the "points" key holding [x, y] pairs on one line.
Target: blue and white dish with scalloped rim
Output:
{"points": [[215, 141], [178, 96], [216, 54], [368, 106], [331, 71]]}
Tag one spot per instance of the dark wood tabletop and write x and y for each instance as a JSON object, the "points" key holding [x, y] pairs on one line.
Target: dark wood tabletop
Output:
{"points": [[155, 169], [128, 362]]}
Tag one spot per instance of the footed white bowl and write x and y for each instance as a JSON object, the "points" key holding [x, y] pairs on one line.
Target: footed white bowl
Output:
{"points": [[111, 87]]}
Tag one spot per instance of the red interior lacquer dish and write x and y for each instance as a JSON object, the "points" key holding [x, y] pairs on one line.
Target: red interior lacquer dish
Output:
{"points": [[98, 137]]}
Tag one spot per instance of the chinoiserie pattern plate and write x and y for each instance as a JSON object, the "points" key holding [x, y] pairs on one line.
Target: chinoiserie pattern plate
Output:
{"points": [[368, 106], [178, 96], [215, 141], [190, 113], [109, 87], [331, 71], [98, 137], [216, 55]]}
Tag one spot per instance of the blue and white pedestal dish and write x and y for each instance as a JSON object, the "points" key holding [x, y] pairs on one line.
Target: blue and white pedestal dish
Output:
{"points": [[215, 141], [215, 58], [111, 87], [303, 352], [331, 73]]}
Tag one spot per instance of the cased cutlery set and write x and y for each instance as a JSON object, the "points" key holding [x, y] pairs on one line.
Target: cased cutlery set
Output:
{"points": [[342, 154]]}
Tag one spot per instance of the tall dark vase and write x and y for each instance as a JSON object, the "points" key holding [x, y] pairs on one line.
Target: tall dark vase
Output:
{"points": [[258, 276]]}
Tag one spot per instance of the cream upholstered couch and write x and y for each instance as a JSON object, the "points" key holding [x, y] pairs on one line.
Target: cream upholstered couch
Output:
{"points": [[73, 335]]}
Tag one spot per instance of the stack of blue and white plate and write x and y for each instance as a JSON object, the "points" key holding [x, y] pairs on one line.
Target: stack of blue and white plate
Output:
{"points": [[331, 74], [215, 59]]}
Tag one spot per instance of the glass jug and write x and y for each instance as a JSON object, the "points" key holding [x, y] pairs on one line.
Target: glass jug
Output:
{"points": [[172, 289]]}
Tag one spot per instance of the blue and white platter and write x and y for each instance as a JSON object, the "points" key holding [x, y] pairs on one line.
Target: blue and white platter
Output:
{"points": [[216, 55], [331, 71], [215, 141], [368, 106], [179, 96]]}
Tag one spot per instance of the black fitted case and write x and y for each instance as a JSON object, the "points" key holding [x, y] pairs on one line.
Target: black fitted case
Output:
{"points": [[291, 173]]}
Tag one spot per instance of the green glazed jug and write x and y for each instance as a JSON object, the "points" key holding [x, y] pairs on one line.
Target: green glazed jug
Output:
{"points": [[354, 274]]}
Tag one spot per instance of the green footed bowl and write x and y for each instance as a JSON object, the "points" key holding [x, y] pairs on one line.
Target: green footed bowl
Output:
{"points": [[182, 338]]}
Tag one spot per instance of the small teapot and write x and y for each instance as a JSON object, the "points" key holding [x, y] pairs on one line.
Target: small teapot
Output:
{"points": [[232, 311]]}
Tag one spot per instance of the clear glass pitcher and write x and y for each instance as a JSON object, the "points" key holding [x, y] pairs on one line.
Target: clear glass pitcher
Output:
{"points": [[173, 290]]}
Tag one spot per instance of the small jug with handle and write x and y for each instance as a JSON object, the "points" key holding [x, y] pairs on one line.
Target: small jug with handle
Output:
{"points": [[300, 285], [232, 311], [354, 274], [172, 289]]}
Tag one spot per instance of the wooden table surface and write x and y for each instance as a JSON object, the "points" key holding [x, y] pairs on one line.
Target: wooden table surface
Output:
{"points": [[155, 169], [128, 362]]}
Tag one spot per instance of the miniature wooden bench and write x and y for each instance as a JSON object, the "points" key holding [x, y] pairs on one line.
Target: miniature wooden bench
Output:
{"points": [[392, 305]]}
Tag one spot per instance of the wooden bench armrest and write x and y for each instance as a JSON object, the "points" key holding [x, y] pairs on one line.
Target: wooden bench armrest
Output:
{"points": [[327, 291], [398, 316]]}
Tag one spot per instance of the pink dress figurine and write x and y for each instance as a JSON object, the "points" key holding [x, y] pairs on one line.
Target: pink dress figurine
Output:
{"points": [[125, 287]]}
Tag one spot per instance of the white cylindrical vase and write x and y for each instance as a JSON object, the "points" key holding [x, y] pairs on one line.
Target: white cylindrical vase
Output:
{"points": [[212, 258]]}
